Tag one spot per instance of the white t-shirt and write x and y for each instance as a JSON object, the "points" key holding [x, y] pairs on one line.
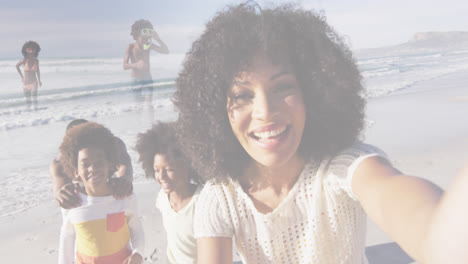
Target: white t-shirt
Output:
{"points": [[319, 221], [181, 245], [101, 228]]}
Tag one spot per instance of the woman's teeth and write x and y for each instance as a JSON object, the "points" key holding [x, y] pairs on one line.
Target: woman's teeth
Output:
{"points": [[265, 135]]}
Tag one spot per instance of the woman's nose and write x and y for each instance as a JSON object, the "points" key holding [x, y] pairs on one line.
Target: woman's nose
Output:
{"points": [[94, 167], [163, 174], [264, 106]]}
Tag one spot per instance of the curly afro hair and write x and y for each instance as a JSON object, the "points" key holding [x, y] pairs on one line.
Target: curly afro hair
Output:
{"points": [[138, 26], [33, 45], [288, 35], [88, 134], [74, 123], [160, 139]]}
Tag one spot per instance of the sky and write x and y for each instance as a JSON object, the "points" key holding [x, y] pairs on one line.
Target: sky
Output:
{"points": [[101, 28]]}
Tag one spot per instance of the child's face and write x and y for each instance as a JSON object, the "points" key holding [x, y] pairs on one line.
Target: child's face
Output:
{"points": [[266, 112], [30, 51], [93, 170], [172, 176], [147, 32], [142, 39]]}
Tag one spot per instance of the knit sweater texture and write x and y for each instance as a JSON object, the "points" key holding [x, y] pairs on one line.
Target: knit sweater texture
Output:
{"points": [[319, 221]]}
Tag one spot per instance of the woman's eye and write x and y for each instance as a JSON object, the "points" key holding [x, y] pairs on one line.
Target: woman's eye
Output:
{"points": [[283, 87], [241, 98]]}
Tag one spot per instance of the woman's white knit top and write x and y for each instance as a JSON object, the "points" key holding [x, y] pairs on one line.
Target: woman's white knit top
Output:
{"points": [[319, 221]]}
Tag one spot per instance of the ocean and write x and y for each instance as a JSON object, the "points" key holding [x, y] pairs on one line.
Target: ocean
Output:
{"points": [[98, 89]]}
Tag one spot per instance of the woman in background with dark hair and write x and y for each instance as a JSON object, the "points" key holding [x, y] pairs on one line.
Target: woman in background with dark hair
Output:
{"points": [[32, 75], [162, 159]]}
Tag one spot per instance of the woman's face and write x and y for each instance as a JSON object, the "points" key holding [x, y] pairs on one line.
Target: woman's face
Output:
{"points": [[266, 112], [30, 51], [170, 175]]}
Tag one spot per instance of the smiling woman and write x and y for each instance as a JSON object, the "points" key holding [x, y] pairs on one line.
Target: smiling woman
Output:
{"points": [[299, 43], [266, 112], [163, 160], [270, 113]]}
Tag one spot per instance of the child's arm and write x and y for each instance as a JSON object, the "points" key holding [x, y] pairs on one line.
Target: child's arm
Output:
{"points": [[21, 62], [130, 66], [38, 73], [137, 236], [65, 192], [126, 64], [67, 241], [162, 48], [59, 179]]}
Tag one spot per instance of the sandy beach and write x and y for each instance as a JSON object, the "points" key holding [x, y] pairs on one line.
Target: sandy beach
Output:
{"points": [[423, 130]]}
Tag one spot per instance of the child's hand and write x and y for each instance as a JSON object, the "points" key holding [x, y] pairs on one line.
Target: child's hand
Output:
{"points": [[121, 187], [135, 258], [140, 64], [67, 197]]}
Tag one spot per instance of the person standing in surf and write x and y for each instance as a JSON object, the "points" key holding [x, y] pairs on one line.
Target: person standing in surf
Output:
{"points": [[32, 75], [137, 56]]}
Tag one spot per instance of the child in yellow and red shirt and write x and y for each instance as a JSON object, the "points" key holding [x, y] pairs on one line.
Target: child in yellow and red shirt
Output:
{"points": [[102, 230]]}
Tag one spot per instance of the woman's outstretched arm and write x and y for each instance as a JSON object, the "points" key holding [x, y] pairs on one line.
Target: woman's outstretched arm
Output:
{"points": [[403, 206], [214, 250], [448, 239]]}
